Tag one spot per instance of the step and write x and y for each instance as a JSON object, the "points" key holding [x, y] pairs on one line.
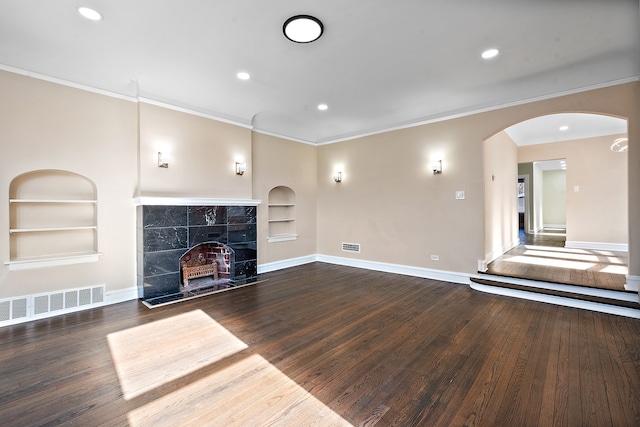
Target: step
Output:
{"points": [[602, 300]]}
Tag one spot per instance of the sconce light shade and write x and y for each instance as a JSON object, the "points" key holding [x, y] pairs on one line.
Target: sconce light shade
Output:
{"points": [[337, 176], [241, 168], [436, 165], [163, 162]]}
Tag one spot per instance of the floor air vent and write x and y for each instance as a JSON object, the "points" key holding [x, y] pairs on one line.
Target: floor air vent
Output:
{"points": [[351, 247], [22, 309]]}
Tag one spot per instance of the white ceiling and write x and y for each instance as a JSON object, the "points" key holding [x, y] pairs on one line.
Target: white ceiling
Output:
{"points": [[379, 65]]}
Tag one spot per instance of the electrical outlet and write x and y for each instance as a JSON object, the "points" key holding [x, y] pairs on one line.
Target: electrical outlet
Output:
{"points": [[435, 258]]}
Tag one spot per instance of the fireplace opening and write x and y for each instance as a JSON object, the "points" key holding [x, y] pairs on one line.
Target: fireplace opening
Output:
{"points": [[206, 267]]}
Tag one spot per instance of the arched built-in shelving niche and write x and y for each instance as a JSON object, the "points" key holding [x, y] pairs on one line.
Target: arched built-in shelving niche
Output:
{"points": [[52, 219], [282, 214]]}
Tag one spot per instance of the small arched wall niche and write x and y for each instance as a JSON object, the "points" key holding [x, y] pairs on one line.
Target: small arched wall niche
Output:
{"points": [[52, 219], [282, 214]]}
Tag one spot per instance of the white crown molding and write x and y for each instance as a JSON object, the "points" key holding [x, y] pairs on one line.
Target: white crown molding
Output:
{"points": [[235, 122], [67, 83], [289, 138], [192, 201]]}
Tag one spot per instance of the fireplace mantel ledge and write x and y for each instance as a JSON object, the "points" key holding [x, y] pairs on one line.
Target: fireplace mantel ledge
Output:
{"points": [[192, 201]]}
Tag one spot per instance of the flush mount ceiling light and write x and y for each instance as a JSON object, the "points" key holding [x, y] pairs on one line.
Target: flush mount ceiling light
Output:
{"points": [[243, 76], [620, 145], [302, 29], [563, 128], [490, 53], [323, 107], [90, 14]]}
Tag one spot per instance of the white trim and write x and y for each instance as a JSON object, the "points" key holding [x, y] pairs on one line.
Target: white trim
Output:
{"points": [[427, 273], [287, 263], [30, 264], [552, 299], [282, 238], [597, 246], [633, 283], [232, 121], [67, 83], [290, 138], [556, 226], [436, 119], [192, 201], [121, 295]]}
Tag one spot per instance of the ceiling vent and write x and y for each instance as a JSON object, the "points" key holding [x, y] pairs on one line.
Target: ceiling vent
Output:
{"points": [[351, 247]]}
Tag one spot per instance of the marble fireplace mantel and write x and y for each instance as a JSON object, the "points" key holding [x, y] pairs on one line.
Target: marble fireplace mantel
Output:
{"points": [[192, 201]]}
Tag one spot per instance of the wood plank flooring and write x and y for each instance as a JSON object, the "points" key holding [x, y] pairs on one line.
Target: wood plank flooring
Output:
{"points": [[543, 257], [325, 345]]}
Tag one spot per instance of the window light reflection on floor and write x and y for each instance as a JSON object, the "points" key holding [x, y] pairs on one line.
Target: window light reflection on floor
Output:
{"points": [[190, 370], [576, 257], [549, 262]]}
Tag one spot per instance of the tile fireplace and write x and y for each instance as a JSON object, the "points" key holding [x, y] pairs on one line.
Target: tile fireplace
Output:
{"points": [[188, 247]]}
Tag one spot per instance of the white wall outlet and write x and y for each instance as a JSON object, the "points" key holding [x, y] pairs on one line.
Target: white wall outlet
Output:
{"points": [[460, 195], [576, 188], [435, 258]]}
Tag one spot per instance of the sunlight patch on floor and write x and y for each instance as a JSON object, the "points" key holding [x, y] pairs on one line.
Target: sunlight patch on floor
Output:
{"points": [[250, 392], [556, 249], [563, 255], [615, 269], [576, 265], [151, 355]]}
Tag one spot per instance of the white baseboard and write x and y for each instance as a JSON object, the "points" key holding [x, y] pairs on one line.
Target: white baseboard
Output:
{"points": [[121, 295], [633, 284], [597, 246], [287, 263], [558, 226], [427, 273]]}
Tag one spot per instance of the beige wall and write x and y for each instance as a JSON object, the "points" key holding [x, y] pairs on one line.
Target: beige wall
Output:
{"points": [[392, 204], [598, 211], [501, 195], [48, 126], [554, 198], [202, 155], [389, 200], [400, 213], [279, 162]]}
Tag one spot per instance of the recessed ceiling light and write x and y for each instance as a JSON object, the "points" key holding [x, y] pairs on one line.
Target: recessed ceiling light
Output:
{"points": [[323, 107], [564, 127], [490, 53], [302, 29], [90, 14], [243, 76]]}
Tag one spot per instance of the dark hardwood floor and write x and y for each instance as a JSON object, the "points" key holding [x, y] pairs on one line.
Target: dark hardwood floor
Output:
{"points": [[543, 257], [325, 345]]}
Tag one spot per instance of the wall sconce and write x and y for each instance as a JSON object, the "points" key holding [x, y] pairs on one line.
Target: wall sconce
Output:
{"points": [[241, 168], [436, 165], [337, 176], [163, 161]]}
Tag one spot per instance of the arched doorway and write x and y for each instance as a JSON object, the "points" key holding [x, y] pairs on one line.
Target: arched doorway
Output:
{"points": [[580, 154]]}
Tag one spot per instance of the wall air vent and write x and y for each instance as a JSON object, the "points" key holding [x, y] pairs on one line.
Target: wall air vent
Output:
{"points": [[37, 306], [351, 247]]}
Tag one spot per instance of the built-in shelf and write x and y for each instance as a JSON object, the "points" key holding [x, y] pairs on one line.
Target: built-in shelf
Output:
{"points": [[38, 230], [50, 201], [282, 238], [29, 263], [52, 220], [282, 226]]}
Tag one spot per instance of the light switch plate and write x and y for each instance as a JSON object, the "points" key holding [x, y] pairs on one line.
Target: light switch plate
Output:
{"points": [[459, 195]]}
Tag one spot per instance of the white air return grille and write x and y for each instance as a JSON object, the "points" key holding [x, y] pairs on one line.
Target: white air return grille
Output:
{"points": [[29, 307], [351, 247]]}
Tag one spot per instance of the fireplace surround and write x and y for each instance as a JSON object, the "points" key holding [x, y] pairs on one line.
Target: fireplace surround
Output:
{"points": [[174, 234]]}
